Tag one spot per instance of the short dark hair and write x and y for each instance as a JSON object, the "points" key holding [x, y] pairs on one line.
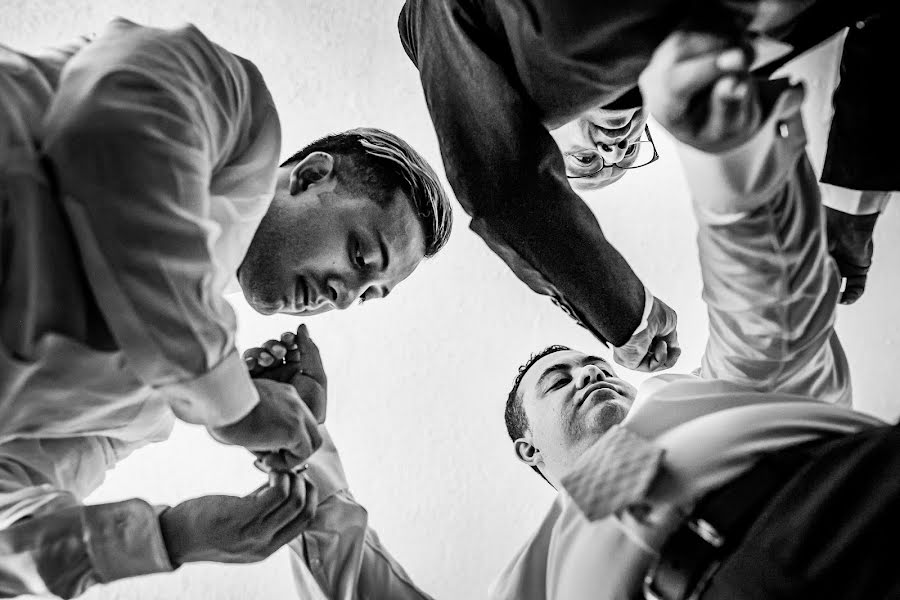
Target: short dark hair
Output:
{"points": [[380, 164], [516, 419]]}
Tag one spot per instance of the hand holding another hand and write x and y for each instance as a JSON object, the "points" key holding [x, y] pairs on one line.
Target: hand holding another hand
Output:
{"points": [[294, 360], [282, 430], [230, 529], [279, 423]]}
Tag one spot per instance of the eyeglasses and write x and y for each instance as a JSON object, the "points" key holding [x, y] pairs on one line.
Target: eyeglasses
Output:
{"points": [[587, 163]]}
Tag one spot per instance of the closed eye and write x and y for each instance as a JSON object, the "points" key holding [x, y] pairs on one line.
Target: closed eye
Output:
{"points": [[583, 159], [559, 383]]}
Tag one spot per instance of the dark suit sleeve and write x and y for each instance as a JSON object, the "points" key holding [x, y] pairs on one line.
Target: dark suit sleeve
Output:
{"points": [[508, 174], [865, 126]]}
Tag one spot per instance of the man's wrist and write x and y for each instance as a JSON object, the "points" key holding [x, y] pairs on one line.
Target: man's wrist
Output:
{"points": [[852, 221], [648, 308], [171, 535]]}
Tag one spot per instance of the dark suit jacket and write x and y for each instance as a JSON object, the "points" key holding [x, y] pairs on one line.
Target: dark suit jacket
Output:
{"points": [[865, 130], [498, 73]]}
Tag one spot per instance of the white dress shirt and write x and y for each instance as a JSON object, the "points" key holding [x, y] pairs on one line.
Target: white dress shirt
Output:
{"points": [[164, 149]]}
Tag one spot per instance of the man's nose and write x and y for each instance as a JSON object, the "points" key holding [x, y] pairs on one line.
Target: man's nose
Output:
{"points": [[587, 375], [339, 293], [344, 293], [611, 150], [612, 153]]}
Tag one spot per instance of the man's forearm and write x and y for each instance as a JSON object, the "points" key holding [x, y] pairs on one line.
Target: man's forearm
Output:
{"points": [[69, 550], [508, 174], [134, 134], [564, 255], [770, 288]]}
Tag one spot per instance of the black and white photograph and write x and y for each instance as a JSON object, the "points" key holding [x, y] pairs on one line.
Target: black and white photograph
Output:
{"points": [[449, 300]]}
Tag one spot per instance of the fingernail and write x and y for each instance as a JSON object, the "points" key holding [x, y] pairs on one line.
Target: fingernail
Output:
{"points": [[731, 60], [250, 362], [278, 351], [265, 359], [740, 90], [287, 337]]}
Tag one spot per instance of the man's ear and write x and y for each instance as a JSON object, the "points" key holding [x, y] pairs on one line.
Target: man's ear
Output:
{"points": [[317, 167], [527, 453]]}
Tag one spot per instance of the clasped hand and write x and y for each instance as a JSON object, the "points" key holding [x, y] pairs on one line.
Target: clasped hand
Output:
{"points": [[230, 529], [292, 387], [282, 430]]}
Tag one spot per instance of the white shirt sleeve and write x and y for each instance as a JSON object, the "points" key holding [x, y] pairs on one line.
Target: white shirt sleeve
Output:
{"points": [[49, 541], [770, 286], [150, 133], [338, 554]]}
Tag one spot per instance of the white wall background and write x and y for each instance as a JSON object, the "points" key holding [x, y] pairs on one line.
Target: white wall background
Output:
{"points": [[418, 383]]}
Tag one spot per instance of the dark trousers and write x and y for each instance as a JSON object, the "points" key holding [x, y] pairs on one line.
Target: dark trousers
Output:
{"points": [[830, 533]]}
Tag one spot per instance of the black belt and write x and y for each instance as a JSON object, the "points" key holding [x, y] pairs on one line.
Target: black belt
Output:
{"points": [[692, 554]]}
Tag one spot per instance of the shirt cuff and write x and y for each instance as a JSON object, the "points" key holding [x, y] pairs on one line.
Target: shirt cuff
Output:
{"points": [[854, 202], [222, 396], [123, 540]]}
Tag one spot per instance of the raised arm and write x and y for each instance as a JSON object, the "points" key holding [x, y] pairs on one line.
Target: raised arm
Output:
{"points": [[157, 138], [338, 554], [770, 286]]}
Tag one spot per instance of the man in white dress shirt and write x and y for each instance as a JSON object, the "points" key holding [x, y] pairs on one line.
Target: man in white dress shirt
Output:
{"points": [[773, 376], [139, 174]]}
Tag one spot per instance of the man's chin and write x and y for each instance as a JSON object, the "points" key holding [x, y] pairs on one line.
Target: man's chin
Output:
{"points": [[265, 309], [606, 414], [261, 306], [612, 413]]}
